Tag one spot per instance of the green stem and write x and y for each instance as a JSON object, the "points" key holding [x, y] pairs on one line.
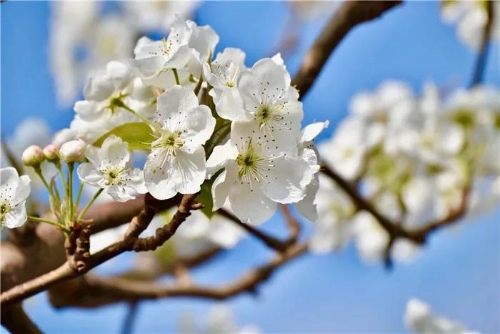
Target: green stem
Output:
{"points": [[59, 168], [38, 171], [176, 75], [84, 211], [79, 196], [48, 221], [144, 119], [70, 189]]}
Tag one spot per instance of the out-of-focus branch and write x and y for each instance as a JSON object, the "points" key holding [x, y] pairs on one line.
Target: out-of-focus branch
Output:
{"points": [[349, 15], [396, 229], [292, 223], [130, 317], [129, 243], [477, 76], [103, 291], [17, 321]]}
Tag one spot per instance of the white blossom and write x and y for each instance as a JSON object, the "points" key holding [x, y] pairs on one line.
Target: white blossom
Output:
{"points": [[267, 99], [156, 15], [185, 49], [253, 175], [110, 168], [471, 17], [177, 159], [14, 190], [420, 319], [220, 321]]}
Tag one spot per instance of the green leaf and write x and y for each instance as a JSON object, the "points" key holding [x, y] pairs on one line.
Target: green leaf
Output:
{"points": [[137, 135], [205, 197], [166, 254]]}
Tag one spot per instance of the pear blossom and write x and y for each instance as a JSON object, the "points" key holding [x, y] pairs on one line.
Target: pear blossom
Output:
{"points": [[109, 168], [14, 190], [219, 320], [470, 18], [267, 99], [253, 175], [306, 149], [187, 44], [135, 96], [420, 319], [345, 152], [371, 241], [156, 15], [333, 228], [105, 92], [177, 159], [223, 75]]}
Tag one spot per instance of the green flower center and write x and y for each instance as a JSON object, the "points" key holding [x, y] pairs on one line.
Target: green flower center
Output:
{"points": [[5, 208], [169, 141], [250, 163]]}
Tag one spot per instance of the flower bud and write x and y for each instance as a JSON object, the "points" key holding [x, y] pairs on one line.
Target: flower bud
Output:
{"points": [[73, 151], [51, 152], [33, 156]]}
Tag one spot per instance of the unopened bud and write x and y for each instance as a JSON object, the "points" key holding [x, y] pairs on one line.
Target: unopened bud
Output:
{"points": [[51, 152], [73, 151], [33, 156]]}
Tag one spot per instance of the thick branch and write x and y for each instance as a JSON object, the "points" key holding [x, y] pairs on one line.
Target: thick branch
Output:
{"points": [[17, 321], [130, 242], [103, 291], [350, 14]]}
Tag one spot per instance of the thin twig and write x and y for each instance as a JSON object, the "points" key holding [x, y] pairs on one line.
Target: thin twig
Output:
{"points": [[130, 318], [477, 76], [268, 240]]}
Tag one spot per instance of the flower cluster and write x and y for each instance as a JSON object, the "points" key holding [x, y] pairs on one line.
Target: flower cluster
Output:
{"points": [[83, 39], [415, 157], [201, 121], [471, 18]]}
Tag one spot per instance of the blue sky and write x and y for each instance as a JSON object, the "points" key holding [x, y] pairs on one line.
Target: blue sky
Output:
{"points": [[458, 273]]}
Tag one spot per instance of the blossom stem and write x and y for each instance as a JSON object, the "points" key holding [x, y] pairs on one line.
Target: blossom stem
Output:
{"points": [[176, 75], [59, 168], [48, 221], [70, 189], [84, 211], [144, 119], [78, 196], [38, 171]]}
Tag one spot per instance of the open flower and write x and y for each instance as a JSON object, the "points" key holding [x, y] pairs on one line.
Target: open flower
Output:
{"points": [[186, 45], [266, 99], [110, 168], [14, 190], [177, 159], [254, 174], [105, 92]]}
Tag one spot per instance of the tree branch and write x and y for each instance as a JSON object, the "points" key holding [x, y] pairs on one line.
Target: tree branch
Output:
{"points": [[268, 240], [17, 321], [104, 291], [130, 242], [350, 14]]}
